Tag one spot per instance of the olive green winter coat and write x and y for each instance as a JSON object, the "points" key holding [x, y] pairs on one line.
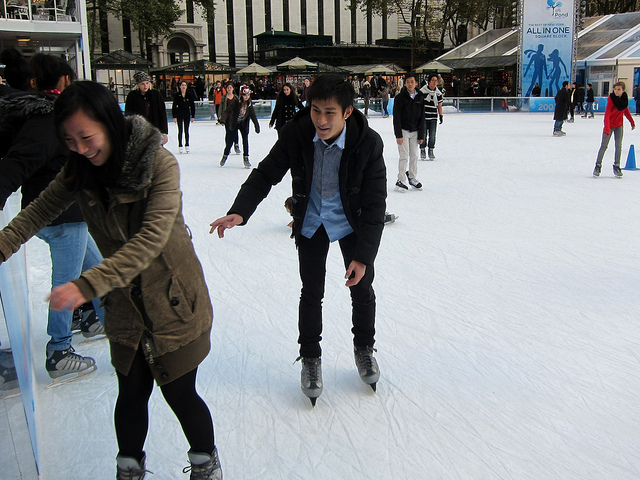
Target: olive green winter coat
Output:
{"points": [[147, 248]]}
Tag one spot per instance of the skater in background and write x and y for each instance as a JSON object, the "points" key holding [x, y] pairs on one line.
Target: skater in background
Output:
{"points": [[183, 111], [561, 110], [366, 96], [384, 96], [237, 117], [158, 313], [408, 119], [339, 191], [287, 104], [617, 106], [636, 97], [229, 99], [432, 112], [589, 101], [146, 101], [32, 156]]}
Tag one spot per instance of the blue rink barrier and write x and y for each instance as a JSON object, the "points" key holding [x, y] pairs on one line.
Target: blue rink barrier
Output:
{"points": [[14, 293], [264, 108]]}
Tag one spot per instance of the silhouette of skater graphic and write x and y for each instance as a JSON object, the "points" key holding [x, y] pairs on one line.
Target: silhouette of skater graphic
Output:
{"points": [[539, 62], [554, 74]]}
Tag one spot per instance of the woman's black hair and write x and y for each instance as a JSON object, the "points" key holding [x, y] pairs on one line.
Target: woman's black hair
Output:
{"points": [[99, 104], [48, 70], [288, 98], [326, 87], [17, 70]]}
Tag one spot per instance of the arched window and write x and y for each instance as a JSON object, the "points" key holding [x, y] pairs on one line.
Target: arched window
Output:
{"points": [[179, 50]]}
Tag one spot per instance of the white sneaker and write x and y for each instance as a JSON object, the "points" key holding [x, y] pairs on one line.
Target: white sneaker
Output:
{"points": [[179, 149], [187, 148]]}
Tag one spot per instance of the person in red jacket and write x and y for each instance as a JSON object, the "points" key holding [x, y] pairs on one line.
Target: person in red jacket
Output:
{"points": [[617, 106]]}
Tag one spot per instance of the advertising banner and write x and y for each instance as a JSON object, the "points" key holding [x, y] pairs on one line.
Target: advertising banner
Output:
{"points": [[547, 45]]}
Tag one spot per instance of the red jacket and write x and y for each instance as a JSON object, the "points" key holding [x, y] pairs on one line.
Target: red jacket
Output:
{"points": [[613, 117]]}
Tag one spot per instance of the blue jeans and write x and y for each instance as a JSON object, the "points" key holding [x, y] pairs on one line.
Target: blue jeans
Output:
{"points": [[72, 252], [429, 128], [589, 108], [558, 125]]}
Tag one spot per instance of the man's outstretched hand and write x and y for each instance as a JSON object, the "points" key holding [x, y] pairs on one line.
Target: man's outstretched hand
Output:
{"points": [[223, 223]]}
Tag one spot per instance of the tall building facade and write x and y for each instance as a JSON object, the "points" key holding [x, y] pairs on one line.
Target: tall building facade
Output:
{"points": [[229, 38]]}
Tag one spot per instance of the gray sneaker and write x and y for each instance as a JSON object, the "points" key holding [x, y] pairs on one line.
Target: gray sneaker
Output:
{"points": [[311, 378], [90, 324], [203, 466], [432, 156], [597, 169], [423, 154], [224, 160], [130, 469], [367, 365]]}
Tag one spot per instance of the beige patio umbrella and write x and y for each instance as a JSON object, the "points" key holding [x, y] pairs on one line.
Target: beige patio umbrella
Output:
{"points": [[380, 70], [254, 69], [297, 63], [433, 66]]}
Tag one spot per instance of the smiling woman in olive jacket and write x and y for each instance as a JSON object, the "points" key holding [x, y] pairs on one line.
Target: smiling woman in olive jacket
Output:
{"points": [[158, 313]]}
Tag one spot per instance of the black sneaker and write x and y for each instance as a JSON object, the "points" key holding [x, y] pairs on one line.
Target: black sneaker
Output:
{"points": [[401, 187]]}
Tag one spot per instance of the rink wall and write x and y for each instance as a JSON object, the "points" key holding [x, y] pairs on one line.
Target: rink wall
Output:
{"points": [[15, 303], [264, 108]]}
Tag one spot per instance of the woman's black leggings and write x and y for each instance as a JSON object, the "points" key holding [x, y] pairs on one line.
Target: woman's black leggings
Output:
{"points": [[132, 409], [185, 122]]}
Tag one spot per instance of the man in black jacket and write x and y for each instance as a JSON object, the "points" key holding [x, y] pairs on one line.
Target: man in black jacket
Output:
{"points": [[408, 117], [562, 108], [339, 192]]}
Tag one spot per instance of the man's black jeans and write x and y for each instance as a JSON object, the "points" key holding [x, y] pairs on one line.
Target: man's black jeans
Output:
{"points": [[312, 256]]}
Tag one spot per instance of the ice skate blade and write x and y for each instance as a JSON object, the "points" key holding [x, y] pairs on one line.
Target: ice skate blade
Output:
{"points": [[71, 377], [83, 339]]}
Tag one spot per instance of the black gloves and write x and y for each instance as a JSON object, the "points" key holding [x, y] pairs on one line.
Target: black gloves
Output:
{"points": [[441, 119]]}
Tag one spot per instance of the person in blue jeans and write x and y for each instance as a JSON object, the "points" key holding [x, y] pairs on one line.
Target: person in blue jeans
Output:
{"points": [[32, 156]]}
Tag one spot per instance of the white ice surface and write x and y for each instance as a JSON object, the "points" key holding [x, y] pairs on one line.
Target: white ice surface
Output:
{"points": [[507, 324]]}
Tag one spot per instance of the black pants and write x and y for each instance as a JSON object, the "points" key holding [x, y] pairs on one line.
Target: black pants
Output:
{"points": [[243, 130], [185, 122], [231, 137], [312, 257], [132, 409]]}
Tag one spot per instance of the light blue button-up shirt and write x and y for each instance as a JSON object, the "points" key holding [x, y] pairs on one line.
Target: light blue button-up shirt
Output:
{"points": [[325, 205]]}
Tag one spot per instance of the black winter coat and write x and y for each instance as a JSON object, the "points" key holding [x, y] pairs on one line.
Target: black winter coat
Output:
{"points": [[362, 179], [408, 113], [183, 107], [562, 104], [136, 104], [284, 110], [30, 150]]}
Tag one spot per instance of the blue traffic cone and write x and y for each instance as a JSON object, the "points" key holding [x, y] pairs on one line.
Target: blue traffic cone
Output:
{"points": [[631, 160]]}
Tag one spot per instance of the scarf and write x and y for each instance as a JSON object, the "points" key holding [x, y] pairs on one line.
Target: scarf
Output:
{"points": [[621, 102]]}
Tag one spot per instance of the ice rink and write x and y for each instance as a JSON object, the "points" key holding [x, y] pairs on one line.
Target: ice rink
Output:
{"points": [[508, 329]]}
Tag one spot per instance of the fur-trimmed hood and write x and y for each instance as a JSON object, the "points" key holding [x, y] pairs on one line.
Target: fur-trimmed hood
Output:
{"points": [[140, 154], [23, 106]]}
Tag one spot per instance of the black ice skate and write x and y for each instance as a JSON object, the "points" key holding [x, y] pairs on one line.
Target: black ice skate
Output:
{"points": [[616, 171], [66, 362], [311, 378], [596, 170], [367, 365]]}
